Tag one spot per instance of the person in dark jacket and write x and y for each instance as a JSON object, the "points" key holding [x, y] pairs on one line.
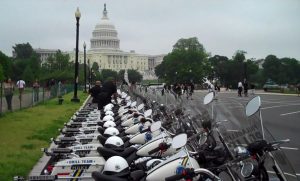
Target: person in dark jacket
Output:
{"points": [[245, 85], [94, 91], [108, 90]]}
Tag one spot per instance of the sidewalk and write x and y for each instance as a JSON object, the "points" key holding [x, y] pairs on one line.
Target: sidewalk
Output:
{"points": [[27, 101]]}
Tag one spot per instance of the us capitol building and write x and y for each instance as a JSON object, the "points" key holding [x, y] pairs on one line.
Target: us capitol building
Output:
{"points": [[105, 50]]}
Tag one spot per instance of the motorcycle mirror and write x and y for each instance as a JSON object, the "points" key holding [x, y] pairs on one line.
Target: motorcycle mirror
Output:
{"points": [[253, 106], [247, 169], [127, 98], [155, 126], [179, 141], [124, 95], [208, 98], [147, 113], [133, 104], [202, 139], [140, 107]]}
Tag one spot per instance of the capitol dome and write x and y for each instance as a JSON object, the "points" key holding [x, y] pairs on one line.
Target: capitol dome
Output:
{"points": [[105, 36]]}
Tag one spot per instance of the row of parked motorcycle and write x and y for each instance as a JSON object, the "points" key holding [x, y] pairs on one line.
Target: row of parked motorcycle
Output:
{"points": [[130, 140]]}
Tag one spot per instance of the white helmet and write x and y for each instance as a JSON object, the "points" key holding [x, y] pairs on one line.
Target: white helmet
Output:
{"points": [[111, 131], [109, 113], [114, 140], [109, 124], [108, 107], [108, 118], [115, 164]]}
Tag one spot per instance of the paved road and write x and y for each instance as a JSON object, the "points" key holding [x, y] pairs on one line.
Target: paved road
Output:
{"points": [[281, 115]]}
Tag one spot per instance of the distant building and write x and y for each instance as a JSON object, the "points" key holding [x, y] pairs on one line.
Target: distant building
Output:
{"points": [[105, 50], [260, 62], [44, 54]]}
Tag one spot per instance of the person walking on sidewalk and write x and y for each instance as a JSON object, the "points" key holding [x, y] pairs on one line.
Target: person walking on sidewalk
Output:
{"points": [[245, 85], [36, 87], [240, 89], [8, 92], [21, 86]]}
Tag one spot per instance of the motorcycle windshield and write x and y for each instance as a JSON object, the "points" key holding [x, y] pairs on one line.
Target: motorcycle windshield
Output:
{"points": [[248, 130]]}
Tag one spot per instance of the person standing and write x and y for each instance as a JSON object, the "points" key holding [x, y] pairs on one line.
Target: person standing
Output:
{"points": [[245, 85], [94, 91], [21, 86], [240, 89], [108, 90], [8, 93], [36, 87]]}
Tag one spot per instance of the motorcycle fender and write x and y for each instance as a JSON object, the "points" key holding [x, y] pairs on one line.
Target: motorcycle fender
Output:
{"points": [[139, 138], [127, 122], [133, 129], [163, 170]]}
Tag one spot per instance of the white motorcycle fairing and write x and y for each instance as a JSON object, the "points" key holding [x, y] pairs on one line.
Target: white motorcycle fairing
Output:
{"points": [[168, 167], [139, 138], [154, 143], [80, 168]]}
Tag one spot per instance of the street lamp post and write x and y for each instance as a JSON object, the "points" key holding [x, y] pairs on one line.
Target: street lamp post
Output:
{"points": [[75, 98], [89, 74], [84, 58]]}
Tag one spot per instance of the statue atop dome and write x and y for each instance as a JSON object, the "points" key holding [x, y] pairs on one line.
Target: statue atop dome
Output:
{"points": [[104, 12]]}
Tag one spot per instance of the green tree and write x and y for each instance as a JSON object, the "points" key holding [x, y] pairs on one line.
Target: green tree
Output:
{"points": [[1, 73], [23, 51], [120, 76], [95, 67], [107, 73], [272, 67], [134, 76], [27, 74], [187, 61], [6, 63]]}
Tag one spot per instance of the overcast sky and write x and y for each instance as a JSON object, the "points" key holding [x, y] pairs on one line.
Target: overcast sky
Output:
{"points": [[260, 27]]}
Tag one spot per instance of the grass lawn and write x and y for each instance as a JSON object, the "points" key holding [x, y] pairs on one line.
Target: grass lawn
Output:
{"points": [[23, 133]]}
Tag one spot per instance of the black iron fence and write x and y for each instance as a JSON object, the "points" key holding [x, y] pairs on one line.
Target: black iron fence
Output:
{"points": [[31, 96]]}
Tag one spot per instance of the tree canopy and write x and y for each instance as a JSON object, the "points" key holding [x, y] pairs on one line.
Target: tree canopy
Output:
{"points": [[188, 61]]}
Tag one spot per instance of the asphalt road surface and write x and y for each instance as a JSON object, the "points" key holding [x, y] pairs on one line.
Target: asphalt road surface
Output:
{"points": [[280, 114]]}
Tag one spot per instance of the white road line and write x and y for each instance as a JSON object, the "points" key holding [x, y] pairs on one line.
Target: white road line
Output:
{"points": [[286, 173], [289, 148], [232, 130], [279, 106], [290, 113]]}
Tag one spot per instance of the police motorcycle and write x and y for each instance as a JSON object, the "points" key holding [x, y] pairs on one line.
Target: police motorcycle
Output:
{"points": [[73, 166], [262, 157], [252, 151], [116, 168]]}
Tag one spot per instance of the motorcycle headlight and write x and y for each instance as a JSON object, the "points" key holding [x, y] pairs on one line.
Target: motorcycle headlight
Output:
{"points": [[247, 169]]}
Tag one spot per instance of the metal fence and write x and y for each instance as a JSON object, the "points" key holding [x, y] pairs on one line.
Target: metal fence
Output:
{"points": [[31, 96]]}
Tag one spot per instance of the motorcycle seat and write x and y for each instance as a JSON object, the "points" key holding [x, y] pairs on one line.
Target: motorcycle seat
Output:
{"points": [[67, 139], [71, 130], [61, 150], [109, 152]]}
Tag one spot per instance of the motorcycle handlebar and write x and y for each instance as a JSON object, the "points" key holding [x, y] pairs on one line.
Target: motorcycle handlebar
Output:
{"points": [[174, 177], [192, 173]]}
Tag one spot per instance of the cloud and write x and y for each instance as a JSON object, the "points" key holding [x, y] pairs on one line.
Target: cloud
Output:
{"points": [[153, 27]]}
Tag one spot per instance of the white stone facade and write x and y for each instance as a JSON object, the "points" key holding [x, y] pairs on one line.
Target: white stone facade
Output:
{"points": [[105, 50]]}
